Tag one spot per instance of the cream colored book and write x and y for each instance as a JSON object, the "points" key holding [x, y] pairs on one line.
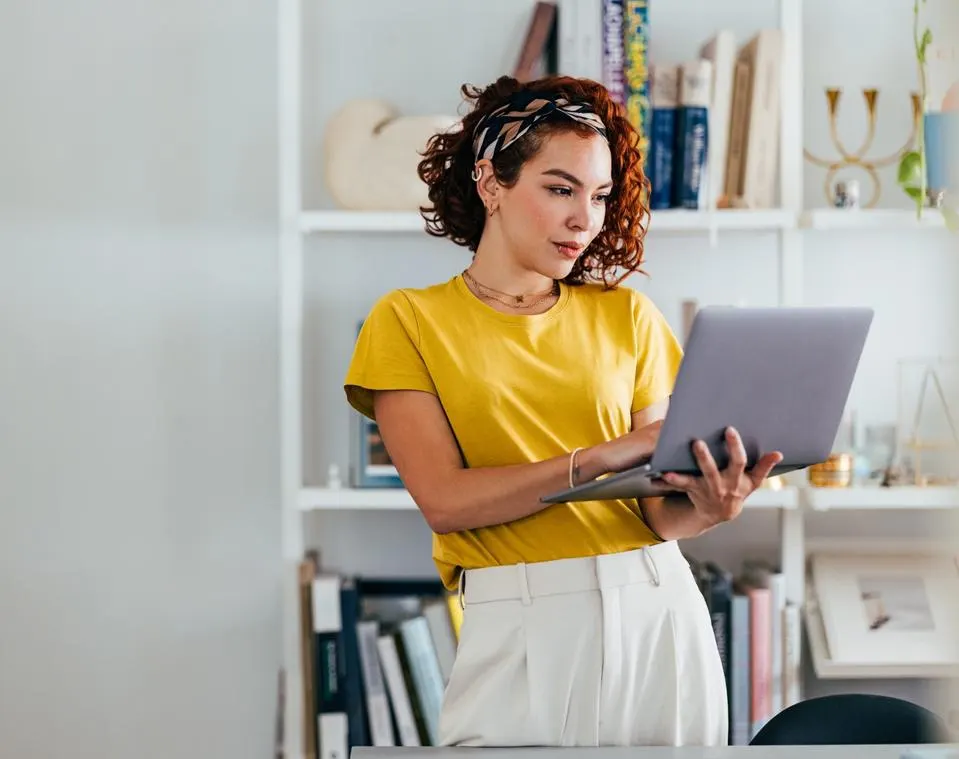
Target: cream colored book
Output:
{"points": [[720, 50], [760, 169]]}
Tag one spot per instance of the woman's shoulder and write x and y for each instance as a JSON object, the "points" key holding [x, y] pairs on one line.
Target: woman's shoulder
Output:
{"points": [[619, 298], [408, 300]]}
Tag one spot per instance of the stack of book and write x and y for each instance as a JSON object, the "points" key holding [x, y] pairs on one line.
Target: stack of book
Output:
{"points": [[758, 634], [709, 126]]}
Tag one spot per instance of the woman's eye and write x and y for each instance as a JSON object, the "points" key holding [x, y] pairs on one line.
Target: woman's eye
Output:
{"points": [[602, 198], [564, 191]]}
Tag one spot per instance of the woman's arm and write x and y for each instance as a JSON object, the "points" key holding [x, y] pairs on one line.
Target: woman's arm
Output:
{"points": [[452, 497]]}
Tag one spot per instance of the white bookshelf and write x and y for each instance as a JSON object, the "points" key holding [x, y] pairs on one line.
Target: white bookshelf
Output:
{"points": [[784, 230], [390, 499], [790, 497], [663, 222], [671, 221]]}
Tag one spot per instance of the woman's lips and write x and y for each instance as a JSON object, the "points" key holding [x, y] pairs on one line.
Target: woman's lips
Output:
{"points": [[568, 249]]}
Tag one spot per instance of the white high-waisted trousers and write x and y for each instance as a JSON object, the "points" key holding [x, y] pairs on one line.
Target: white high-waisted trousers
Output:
{"points": [[614, 650]]}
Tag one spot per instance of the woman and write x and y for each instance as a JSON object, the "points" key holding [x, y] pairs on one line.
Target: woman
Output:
{"points": [[528, 372]]}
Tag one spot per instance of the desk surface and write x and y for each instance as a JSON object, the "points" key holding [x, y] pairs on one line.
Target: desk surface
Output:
{"points": [[732, 752]]}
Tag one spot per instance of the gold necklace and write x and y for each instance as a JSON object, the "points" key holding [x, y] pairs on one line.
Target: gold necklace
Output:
{"points": [[523, 300]]}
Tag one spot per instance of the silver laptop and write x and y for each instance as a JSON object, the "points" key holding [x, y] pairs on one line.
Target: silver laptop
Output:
{"points": [[780, 376]]}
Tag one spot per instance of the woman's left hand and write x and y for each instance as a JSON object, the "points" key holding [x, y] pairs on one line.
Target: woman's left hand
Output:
{"points": [[719, 495]]}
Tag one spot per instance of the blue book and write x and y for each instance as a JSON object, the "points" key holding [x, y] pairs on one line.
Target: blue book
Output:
{"points": [[690, 165], [664, 97]]}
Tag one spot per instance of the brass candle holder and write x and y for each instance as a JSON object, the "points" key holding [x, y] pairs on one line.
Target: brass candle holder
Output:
{"points": [[858, 159]]}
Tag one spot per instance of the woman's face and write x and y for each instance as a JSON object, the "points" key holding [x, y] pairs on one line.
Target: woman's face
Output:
{"points": [[558, 204]]}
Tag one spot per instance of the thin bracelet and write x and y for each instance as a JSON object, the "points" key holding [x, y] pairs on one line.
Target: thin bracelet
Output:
{"points": [[572, 460]]}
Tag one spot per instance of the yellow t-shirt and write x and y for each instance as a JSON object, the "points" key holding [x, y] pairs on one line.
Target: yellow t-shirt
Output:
{"points": [[520, 389]]}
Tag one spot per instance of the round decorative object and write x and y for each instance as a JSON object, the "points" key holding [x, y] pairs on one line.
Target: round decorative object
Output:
{"points": [[371, 155], [835, 472], [847, 194]]}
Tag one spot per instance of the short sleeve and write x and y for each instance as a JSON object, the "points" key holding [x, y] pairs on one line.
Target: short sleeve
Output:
{"points": [[387, 354], [658, 355]]}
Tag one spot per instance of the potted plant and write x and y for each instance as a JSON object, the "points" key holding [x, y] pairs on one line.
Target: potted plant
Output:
{"points": [[913, 174]]}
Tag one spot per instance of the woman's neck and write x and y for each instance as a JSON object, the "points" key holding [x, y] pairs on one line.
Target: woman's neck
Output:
{"points": [[496, 267]]}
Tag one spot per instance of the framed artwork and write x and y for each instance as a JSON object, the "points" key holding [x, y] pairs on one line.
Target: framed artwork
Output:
{"points": [[373, 467], [884, 609]]}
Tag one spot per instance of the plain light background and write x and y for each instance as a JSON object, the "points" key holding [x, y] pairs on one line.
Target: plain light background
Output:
{"points": [[139, 483]]}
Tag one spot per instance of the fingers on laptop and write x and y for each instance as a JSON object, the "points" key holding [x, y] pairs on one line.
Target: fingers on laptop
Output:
{"points": [[709, 476], [707, 465], [734, 470], [737, 452], [764, 466]]}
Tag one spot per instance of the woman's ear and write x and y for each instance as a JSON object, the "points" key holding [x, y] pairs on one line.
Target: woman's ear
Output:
{"points": [[487, 185]]}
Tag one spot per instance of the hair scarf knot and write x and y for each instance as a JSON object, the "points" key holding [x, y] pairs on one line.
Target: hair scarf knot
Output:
{"points": [[501, 128]]}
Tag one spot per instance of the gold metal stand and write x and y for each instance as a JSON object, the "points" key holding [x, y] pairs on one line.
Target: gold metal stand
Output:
{"points": [[858, 159]]}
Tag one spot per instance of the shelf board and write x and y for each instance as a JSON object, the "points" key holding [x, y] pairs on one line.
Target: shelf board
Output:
{"points": [[671, 220], [727, 219], [355, 499], [818, 499], [393, 499], [361, 221], [870, 498], [870, 218]]}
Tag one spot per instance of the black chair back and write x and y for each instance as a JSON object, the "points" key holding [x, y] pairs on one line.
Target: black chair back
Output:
{"points": [[852, 718]]}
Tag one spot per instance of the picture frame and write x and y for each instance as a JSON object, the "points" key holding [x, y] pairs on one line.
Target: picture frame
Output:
{"points": [[889, 609], [372, 466]]}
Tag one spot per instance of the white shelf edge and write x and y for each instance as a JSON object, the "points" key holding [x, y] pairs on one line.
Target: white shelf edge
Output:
{"points": [[678, 220], [355, 499], [671, 220], [873, 498], [661, 221], [361, 221], [886, 219], [826, 669], [398, 499], [790, 497]]}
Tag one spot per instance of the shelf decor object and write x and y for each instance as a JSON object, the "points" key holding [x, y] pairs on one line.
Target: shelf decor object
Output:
{"points": [[920, 440], [924, 172], [888, 609], [858, 158], [371, 152]]}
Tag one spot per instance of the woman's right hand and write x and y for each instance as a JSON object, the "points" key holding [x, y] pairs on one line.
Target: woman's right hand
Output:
{"points": [[626, 451]]}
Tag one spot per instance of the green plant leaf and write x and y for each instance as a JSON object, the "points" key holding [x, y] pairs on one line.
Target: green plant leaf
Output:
{"points": [[910, 169]]}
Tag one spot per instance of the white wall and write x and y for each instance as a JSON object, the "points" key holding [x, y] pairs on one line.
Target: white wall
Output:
{"points": [[139, 514], [908, 278]]}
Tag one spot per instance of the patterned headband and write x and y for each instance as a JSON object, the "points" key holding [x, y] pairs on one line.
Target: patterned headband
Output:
{"points": [[506, 124]]}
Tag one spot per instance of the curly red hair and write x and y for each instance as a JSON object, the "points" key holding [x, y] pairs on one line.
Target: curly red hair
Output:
{"points": [[458, 213]]}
